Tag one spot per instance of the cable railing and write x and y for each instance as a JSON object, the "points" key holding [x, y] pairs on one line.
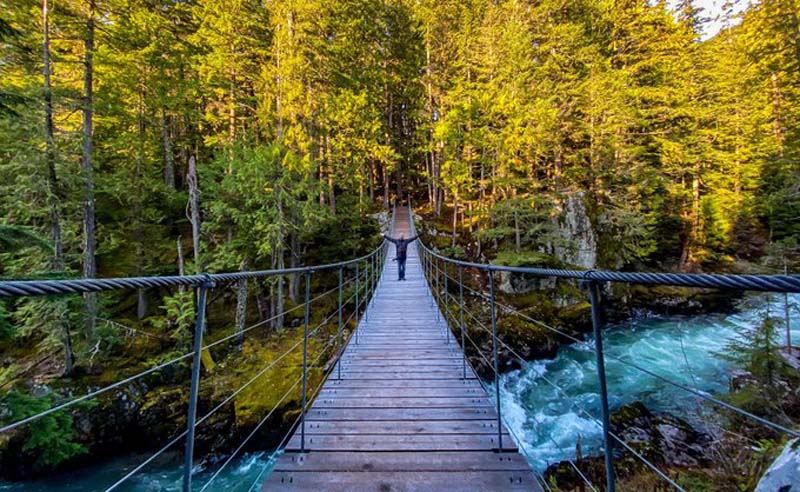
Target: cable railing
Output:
{"points": [[354, 292], [435, 267]]}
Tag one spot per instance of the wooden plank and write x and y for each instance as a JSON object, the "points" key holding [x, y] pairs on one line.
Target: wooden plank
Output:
{"points": [[367, 414], [400, 461], [403, 427], [396, 402], [383, 392], [413, 481], [401, 442]]}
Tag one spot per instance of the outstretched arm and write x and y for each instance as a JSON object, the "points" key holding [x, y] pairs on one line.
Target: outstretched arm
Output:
{"points": [[390, 239], [413, 238]]}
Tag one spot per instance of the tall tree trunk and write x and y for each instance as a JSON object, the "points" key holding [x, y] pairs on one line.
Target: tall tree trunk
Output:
{"points": [[53, 197], [386, 185], [52, 178], [169, 157], [331, 176], [777, 100], [279, 264], [294, 262], [194, 211], [181, 267], [89, 242], [241, 307], [141, 298], [455, 218]]}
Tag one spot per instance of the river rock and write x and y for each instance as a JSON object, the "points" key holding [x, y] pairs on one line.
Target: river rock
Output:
{"points": [[784, 473], [662, 438]]}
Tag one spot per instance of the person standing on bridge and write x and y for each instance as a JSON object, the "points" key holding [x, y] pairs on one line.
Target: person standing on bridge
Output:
{"points": [[401, 247]]}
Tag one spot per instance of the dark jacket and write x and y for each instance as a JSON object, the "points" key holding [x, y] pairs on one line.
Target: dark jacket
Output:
{"points": [[402, 245]]}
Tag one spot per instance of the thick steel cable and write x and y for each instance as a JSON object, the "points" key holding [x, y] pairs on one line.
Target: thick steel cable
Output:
{"points": [[666, 380], [92, 394], [765, 283], [574, 466], [206, 416], [616, 438], [592, 418], [151, 370], [262, 421], [250, 436], [315, 392], [17, 288], [272, 318]]}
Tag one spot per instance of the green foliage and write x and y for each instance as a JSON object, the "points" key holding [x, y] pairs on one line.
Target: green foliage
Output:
{"points": [[179, 315], [51, 439], [7, 329], [756, 351], [527, 259]]}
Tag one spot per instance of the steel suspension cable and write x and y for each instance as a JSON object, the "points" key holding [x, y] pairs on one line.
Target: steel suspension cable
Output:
{"points": [[219, 406], [139, 375], [666, 380], [315, 392]]}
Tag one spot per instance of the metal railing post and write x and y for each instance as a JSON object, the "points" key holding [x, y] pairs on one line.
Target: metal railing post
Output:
{"points": [[438, 297], [461, 321], [305, 365], [430, 279], [199, 327], [339, 329], [358, 288], [496, 362], [446, 305], [367, 280], [594, 298]]}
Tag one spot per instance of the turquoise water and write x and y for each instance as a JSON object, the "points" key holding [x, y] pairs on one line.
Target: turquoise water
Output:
{"points": [[545, 422], [683, 349], [240, 475]]}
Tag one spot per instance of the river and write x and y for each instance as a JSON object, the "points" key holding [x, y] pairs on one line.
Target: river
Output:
{"points": [[683, 349]]}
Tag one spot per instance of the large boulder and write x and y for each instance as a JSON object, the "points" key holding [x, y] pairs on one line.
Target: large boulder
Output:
{"points": [[578, 241], [784, 473]]}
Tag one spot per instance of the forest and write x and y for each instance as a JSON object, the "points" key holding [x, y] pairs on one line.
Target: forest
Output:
{"points": [[160, 137]]}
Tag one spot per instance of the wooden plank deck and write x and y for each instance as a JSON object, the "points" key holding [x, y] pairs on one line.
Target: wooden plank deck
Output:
{"points": [[402, 418]]}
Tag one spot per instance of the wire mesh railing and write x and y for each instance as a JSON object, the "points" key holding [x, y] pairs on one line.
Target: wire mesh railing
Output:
{"points": [[357, 281], [437, 267]]}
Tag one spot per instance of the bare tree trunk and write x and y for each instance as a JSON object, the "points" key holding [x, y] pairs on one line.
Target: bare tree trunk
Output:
{"points": [[53, 198], [280, 265], [52, 178], [777, 100], [294, 257], [169, 157], [181, 267], [517, 237], [455, 218], [386, 185], [331, 176], [89, 242], [194, 211], [241, 307]]}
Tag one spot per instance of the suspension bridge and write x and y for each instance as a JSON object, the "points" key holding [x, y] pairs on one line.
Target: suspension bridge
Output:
{"points": [[403, 410], [389, 400]]}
